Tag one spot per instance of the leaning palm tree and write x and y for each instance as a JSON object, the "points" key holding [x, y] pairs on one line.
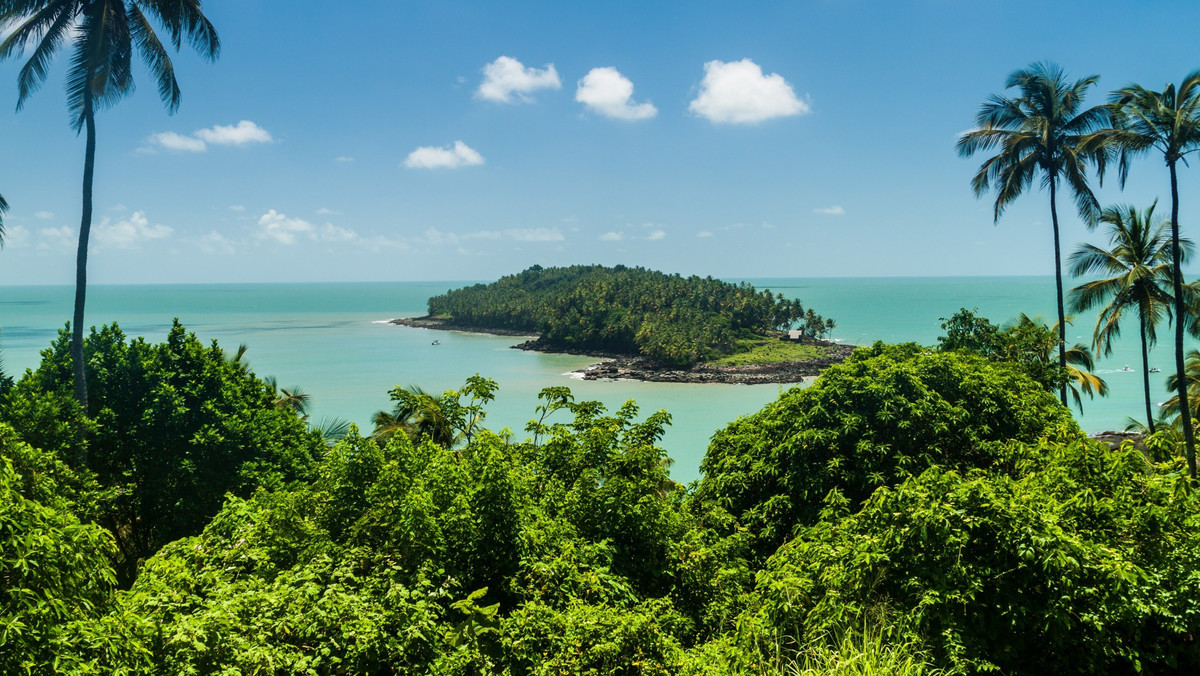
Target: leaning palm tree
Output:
{"points": [[1139, 272], [1167, 122], [103, 35], [3, 208], [1041, 132]]}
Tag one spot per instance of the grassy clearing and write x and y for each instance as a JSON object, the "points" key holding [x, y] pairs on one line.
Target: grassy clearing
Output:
{"points": [[770, 351]]}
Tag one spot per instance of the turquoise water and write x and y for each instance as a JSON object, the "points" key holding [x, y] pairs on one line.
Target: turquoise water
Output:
{"points": [[333, 342]]}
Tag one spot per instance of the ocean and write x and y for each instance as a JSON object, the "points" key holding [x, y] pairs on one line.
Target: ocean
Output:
{"points": [[333, 341]]}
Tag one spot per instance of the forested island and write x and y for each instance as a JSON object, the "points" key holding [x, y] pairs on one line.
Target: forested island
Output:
{"points": [[654, 326]]}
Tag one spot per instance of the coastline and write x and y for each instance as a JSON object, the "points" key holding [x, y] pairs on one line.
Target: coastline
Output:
{"points": [[626, 367]]}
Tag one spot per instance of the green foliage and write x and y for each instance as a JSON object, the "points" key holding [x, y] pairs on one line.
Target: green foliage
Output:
{"points": [[445, 420], [1067, 557], [1028, 343], [669, 318], [55, 577], [171, 428], [886, 413]]}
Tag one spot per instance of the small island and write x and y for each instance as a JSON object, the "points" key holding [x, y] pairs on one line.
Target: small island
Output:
{"points": [[647, 325]]}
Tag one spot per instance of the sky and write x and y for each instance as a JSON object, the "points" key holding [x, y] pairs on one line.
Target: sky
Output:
{"points": [[450, 140]]}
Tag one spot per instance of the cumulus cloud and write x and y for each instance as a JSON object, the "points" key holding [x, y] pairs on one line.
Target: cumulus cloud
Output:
{"points": [[17, 237], [178, 142], [43, 215], [704, 233], [333, 233], [450, 157], [57, 239], [656, 235], [607, 92], [129, 233], [242, 133], [834, 210], [507, 80], [738, 92], [276, 226], [239, 134], [325, 211], [535, 234], [216, 243], [612, 236]]}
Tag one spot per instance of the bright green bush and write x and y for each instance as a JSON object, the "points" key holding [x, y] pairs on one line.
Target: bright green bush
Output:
{"points": [[171, 428], [56, 581], [1078, 560], [886, 413]]}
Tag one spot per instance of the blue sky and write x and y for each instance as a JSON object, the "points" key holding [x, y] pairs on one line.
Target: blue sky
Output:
{"points": [[381, 140]]}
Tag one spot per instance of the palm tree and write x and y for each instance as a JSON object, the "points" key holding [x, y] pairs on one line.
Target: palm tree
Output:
{"points": [[1039, 347], [1040, 132], [1140, 267], [1167, 122], [3, 208], [417, 414], [103, 35]]}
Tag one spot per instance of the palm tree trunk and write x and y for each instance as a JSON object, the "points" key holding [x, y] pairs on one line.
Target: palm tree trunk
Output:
{"points": [[1062, 317], [1146, 371], [1185, 412], [85, 229]]}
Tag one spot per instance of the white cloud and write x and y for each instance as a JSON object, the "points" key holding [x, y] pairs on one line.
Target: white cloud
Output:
{"points": [[57, 239], [237, 207], [17, 237], [450, 157], [607, 92], [129, 233], [324, 211], [333, 233], [834, 210], [656, 235], [277, 226], [216, 243], [704, 233], [343, 159], [612, 236], [173, 141], [234, 135], [739, 93], [43, 215], [242, 133], [507, 80], [535, 234]]}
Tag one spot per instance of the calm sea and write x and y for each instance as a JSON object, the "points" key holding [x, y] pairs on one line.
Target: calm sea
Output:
{"points": [[332, 340]]}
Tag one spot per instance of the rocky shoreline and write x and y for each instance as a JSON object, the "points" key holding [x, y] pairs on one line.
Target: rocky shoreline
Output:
{"points": [[620, 366]]}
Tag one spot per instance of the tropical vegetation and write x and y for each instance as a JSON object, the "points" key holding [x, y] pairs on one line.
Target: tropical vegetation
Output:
{"points": [[1166, 122], [103, 35], [1140, 262], [915, 511], [1043, 133], [672, 319]]}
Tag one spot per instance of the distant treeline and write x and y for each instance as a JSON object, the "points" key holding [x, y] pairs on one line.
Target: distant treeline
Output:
{"points": [[674, 319]]}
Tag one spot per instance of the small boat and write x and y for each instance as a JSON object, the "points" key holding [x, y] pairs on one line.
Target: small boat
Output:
{"points": [[436, 342], [1154, 369], [1127, 368]]}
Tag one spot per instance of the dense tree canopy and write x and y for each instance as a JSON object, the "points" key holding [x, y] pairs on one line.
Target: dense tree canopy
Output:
{"points": [[670, 318], [940, 499]]}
